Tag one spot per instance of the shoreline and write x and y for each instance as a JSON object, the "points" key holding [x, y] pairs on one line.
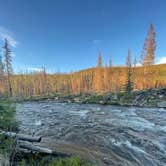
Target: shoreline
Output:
{"points": [[151, 98]]}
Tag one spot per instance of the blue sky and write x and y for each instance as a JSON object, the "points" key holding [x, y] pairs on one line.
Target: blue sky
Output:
{"points": [[66, 35]]}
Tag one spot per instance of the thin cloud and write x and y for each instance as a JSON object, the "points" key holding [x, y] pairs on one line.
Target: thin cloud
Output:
{"points": [[161, 60], [34, 69], [138, 64], [6, 34], [97, 41]]}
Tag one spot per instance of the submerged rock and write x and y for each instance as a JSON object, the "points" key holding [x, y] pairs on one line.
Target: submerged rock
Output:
{"points": [[162, 104]]}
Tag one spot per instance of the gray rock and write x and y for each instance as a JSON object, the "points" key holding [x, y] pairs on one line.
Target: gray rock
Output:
{"points": [[162, 104]]}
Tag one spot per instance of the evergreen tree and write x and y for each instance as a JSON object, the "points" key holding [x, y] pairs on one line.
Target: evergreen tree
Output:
{"points": [[1, 66], [110, 75], [8, 65], [106, 79], [129, 83], [147, 56], [99, 60], [110, 65], [135, 62], [98, 81]]}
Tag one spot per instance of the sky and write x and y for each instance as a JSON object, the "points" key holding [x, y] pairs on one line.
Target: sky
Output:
{"points": [[66, 35]]}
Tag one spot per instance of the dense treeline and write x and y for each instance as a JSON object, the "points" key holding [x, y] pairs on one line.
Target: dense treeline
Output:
{"points": [[101, 79], [112, 79]]}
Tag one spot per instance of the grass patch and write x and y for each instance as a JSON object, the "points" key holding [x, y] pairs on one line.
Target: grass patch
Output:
{"points": [[39, 160], [7, 123], [7, 116], [95, 99]]}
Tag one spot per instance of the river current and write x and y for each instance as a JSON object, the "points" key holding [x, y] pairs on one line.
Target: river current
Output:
{"points": [[109, 135]]}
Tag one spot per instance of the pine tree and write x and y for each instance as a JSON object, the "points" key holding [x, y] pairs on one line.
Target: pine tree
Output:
{"points": [[1, 66], [98, 81], [129, 83], [44, 81], [8, 65], [128, 59], [2, 80], [106, 79], [135, 62], [110, 65], [147, 56], [99, 60]]}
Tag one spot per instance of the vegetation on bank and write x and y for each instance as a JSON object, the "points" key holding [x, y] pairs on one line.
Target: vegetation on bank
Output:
{"points": [[7, 123], [39, 160], [146, 98]]}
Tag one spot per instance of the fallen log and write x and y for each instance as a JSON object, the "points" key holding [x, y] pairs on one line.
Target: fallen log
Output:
{"points": [[27, 147], [35, 148], [21, 136]]}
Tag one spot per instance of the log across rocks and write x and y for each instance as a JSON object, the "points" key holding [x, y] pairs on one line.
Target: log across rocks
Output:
{"points": [[22, 137], [34, 148], [25, 144]]}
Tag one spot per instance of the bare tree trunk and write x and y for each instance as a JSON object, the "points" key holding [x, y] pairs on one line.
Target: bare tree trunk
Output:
{"points": [[21, 136], [35, 148]]}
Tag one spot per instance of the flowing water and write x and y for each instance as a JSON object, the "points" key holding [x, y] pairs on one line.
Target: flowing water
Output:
{"points": [[110, 135]]}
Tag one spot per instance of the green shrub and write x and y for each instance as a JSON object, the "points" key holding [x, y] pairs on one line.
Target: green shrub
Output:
{"points": [[38, 160], [7, 116], [95, 99]]}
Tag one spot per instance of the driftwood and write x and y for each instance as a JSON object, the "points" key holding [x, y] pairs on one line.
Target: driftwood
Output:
{"points": [[28, 148], [25, 144], [21, 136], [34, 148]]}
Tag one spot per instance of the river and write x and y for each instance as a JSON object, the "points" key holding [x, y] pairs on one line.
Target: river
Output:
{"points": [[110, 135]]}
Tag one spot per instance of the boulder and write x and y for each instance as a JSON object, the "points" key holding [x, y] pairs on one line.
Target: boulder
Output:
{"points": [[162, 104]]}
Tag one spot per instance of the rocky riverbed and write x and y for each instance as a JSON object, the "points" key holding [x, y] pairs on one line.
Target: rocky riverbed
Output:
{"points": [[109, 135]]}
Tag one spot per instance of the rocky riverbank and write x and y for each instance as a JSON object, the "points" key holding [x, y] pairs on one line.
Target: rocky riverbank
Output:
{"points": [[143, 98]]}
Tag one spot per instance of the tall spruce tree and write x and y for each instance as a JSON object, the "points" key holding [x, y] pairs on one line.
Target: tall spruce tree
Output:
{"points": [[1, 66], [129, 83], [99, 60], [98, 81], [147, 56], [8, 65], [135, 62]]}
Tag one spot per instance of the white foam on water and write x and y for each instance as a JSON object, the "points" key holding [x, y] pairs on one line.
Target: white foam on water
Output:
{"points": [[162, 110], [98, 108], [81, 113], [116, 111], [128, 144], [136, 123], [120, 113], [38, 123], [162, 128], [45, 106]]}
